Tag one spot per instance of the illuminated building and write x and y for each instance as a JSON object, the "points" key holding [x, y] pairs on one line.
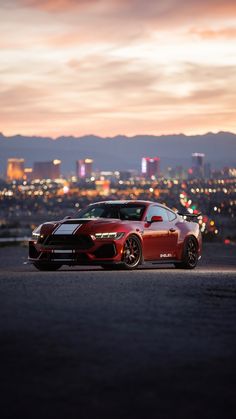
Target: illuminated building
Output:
{"points": [[176, 172], [15, 169], [103, 187], [150, 167], [229, 172], [28, 173], [198, 165], [47, 169], [84, 168]]}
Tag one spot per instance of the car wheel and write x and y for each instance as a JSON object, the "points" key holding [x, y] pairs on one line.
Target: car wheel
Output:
{"points": [[47, 267], [190, 255], [132, 253]]}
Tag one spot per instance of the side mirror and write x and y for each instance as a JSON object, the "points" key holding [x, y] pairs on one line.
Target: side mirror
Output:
{"points": [[156, 219]]}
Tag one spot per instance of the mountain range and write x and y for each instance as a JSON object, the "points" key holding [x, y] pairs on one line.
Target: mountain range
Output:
{"points": [[120, 152]]}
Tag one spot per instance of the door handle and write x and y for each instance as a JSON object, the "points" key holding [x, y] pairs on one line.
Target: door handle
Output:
{"points": [[172, 230]]}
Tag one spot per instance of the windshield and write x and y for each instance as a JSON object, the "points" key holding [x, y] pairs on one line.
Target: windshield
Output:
{"points": [[132, 212]]}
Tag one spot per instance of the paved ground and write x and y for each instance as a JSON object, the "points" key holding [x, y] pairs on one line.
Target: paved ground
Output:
{"points": [[87, 343]]}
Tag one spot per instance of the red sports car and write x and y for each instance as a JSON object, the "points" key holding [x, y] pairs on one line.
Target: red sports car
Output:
{"points": [[116, 234]]}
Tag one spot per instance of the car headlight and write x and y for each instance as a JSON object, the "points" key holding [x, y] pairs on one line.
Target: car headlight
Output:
{"points": [[112, 235], [36, 232]]}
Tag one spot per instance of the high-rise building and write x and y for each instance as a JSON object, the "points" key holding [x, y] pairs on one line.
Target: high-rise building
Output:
{"points": [[84, 168], [47, 169], [125, 175], [15, 169], [176, 172], [150, 167], [198, 165], [207, 170]]}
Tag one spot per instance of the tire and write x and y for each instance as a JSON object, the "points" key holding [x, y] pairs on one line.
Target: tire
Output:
{"points": [[47, 267], [132, 253], [190, 255]]}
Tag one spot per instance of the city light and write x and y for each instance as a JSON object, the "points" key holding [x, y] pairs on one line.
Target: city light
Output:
{"points": [[15, 169], [65, 189], [42, 191]]}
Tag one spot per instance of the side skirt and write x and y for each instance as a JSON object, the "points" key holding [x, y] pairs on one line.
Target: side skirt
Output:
{"points": [[160, 262]]}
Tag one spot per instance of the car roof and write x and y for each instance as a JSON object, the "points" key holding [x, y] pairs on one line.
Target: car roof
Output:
{"points": [[127, 202], [122, 202]]}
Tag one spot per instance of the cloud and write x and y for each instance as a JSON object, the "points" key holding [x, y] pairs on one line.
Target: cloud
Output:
{"points": [[22, 96], [114, 74], [92, 21], [109, 34], [150, 9], [206, 74], [139, 65], [134, 87], [225, 33], [58, 5]]}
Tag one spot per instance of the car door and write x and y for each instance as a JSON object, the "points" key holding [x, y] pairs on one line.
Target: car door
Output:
{"points": [[173, 234], [158, 240]]}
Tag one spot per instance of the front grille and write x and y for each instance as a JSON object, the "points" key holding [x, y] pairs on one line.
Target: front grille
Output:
{"points": [[80, 242], [63, 256]]}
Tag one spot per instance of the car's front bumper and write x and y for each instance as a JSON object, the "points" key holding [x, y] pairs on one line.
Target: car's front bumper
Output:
{"points": [[102, 252]]}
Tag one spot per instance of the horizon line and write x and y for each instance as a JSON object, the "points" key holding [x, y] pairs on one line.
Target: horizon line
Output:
{"points": [[115, 136]]}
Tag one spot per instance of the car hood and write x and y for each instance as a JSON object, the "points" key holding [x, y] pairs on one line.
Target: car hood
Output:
{"points": [[86, 226]]}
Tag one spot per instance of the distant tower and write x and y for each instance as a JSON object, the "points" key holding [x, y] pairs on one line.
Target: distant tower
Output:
{"points": [[207, 170], [84, 168], [198, 165], [47, 169], [15, 169], [150, 167]]}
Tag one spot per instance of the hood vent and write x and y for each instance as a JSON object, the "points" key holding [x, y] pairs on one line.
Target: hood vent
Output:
{"points": [[76, 221]]}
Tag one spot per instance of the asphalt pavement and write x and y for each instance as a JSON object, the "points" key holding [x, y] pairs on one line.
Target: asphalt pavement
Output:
{"points": [[86, 343]]}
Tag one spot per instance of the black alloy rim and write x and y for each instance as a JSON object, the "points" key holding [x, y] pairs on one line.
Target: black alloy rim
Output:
{"points": [[192, 252], [131, 255]]}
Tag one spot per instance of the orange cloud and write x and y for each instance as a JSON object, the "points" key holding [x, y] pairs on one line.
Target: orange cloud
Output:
{"points": [[22, 96], [57, 5], [133, 9], [108, 33], [225, 33], [91, 21], [117, 65]]}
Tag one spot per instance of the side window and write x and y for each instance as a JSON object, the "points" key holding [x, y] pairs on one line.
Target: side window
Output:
{"points": [[171, 215], [150, 213], [155, 210]]}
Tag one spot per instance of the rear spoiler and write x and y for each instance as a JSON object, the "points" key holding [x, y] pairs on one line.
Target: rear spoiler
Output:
{"points": [[190, 217]]}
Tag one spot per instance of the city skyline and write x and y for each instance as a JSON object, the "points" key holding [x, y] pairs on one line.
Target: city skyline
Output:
{"points": [[149, 169], [113, 67], [120, 152]]}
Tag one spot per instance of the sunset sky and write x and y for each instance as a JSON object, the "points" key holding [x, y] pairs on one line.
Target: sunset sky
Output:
{"points": [[108, 67]]}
